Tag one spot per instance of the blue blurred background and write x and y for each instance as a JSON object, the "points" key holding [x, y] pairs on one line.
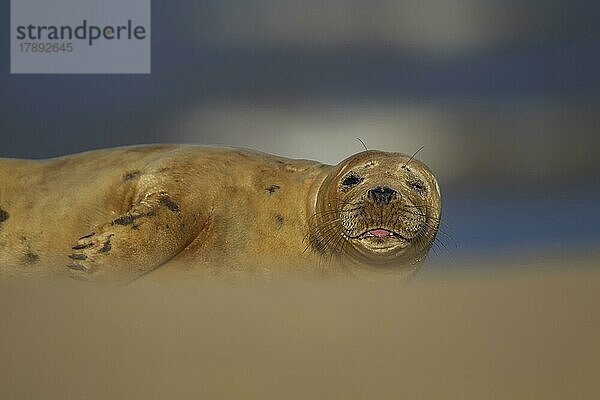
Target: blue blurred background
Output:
{"points": [[504, 95]]}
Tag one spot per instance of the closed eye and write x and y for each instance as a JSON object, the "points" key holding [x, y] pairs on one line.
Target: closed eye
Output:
{"points": [[351, 180], [417, 185]]}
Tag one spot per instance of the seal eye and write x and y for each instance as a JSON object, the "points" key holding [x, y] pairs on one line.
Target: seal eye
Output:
{"points": [[351, 180], [417, 185]]}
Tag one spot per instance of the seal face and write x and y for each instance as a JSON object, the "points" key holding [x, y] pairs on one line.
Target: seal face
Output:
{"points": [[379, 209]]}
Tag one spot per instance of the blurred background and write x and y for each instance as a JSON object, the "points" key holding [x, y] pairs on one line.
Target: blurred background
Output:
{"points": [[504, 95]]}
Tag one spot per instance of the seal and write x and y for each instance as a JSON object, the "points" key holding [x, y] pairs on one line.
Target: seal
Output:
{"points": [[118, 214]]}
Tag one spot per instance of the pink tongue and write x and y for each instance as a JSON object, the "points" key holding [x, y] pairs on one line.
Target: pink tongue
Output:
{"points": [[380, 233]]}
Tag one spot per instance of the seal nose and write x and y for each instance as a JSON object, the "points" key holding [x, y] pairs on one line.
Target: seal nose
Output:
{"points": [[382, 195]]}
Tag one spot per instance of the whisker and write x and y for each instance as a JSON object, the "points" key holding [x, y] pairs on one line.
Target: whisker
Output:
{"points": [[413, 156], [363, 143]]}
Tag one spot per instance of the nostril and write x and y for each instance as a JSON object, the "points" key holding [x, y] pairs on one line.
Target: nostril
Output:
{"points": [[382, 195]]}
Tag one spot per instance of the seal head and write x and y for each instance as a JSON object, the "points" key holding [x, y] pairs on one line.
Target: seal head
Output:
{"points": [[379, 209]]}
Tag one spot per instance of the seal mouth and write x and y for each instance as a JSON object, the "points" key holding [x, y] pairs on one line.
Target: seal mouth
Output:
{"points": [[381, 240], [379, 233]]}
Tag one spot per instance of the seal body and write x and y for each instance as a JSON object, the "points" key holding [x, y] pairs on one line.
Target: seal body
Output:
{"points": [[118, 214]]}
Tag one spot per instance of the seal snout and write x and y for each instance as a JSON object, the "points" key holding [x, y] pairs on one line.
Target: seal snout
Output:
{"points": [[382, 195]]}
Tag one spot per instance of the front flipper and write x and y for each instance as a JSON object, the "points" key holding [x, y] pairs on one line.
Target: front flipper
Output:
{"points": [[153, 231]]}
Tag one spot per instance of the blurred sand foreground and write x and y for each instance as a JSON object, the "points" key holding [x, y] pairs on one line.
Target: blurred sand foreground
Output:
{"points": [[516, 336]]}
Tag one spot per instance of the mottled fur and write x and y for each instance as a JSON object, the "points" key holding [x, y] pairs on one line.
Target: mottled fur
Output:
{"points": [[118, 214]]}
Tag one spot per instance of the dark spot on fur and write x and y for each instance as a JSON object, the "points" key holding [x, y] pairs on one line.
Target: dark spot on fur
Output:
{"points": [[3, 215], [316, 243], [279, 221], [106, 246], [131, 175], [135, 226], [77, 256], [280, 162], [129, 219], [82, 246], [77, 267], [272, 189], [124, 220], [31, 258], [170, 204], [87, 236]]}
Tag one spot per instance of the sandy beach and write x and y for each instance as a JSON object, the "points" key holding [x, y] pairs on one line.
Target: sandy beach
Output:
{"points": [[515, 335]]}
